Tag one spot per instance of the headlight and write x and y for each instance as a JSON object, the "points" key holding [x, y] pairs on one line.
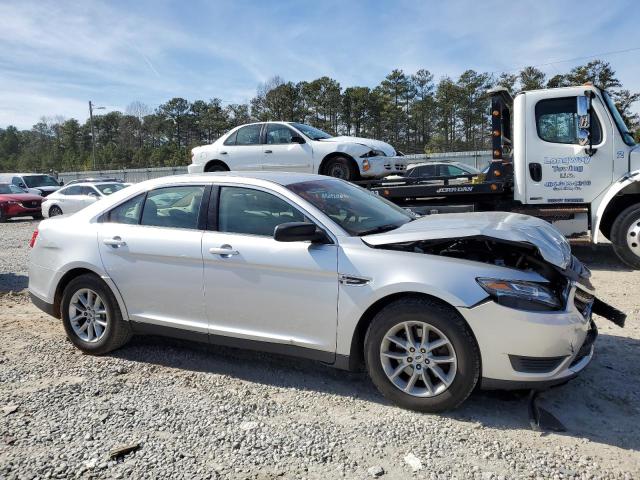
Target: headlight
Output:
{"points": [[521, 295], [374, 153]]}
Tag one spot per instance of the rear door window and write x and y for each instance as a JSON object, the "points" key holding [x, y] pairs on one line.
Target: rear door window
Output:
{"points": [[127, 212], [249, 135], [173, 207]]}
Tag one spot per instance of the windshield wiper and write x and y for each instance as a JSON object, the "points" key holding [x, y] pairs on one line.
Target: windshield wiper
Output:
{"points": [[378, 229]]}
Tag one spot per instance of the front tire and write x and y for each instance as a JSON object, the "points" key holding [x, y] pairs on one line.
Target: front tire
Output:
{"points": [[625, 236], [421, 355], [342, 167], [54, 211], [91, 316]]}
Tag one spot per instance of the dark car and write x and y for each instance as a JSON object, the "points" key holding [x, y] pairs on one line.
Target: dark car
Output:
{"points": [[15, 202]]}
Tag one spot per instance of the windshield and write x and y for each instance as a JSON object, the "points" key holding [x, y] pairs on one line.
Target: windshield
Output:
{"points": [[9, 189], [622, 127], [109, 188], [356, 210], [311, 132], [35, 181]]}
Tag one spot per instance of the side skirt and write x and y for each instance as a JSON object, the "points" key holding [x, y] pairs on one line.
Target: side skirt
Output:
{"points": [[241, 343]]}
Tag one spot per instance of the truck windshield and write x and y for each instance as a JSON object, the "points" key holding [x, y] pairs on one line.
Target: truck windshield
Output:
{"points": [[356, 210], [622, 127], [35, 181]]}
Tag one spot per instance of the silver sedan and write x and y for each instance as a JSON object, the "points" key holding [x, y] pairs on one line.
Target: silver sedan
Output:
{"points": [[316, 267]]}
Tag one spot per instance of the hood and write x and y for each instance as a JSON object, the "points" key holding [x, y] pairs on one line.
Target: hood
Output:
{"points": [[19, 197], [367, 142], [510, 227]]}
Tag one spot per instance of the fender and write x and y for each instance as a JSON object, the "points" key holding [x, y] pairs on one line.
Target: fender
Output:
{"points": [[599, 206], [100, 273]]}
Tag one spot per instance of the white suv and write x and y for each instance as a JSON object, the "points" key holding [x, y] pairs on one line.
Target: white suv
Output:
{"points": [[295, 147]]}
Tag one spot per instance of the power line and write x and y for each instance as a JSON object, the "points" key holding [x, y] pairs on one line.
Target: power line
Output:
{"points": [[575, 59]]}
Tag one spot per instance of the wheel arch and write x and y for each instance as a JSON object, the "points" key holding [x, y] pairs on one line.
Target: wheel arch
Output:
{"points": [[356, 352], [75, 272], [211, 163], [610, 208], [325, 161]]}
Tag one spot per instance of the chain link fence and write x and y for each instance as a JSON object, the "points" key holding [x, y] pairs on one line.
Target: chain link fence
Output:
{"points": [[479, 159]]}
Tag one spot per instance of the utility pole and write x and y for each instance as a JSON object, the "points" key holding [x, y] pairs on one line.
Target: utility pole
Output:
{"points": [[93, 137]]}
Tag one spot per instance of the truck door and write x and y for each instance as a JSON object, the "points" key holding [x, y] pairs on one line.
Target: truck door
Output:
{"points": [[558, 168]]}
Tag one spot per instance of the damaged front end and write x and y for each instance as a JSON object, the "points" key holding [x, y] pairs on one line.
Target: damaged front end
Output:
{"points": [[570, 284]]}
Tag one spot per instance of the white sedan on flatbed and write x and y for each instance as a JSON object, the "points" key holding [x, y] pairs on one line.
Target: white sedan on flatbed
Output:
{"points": [[317, 267], [295, 147]]}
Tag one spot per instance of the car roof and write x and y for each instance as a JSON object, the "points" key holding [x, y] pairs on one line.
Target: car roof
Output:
{"points": [[90, 184], [280, 178]]}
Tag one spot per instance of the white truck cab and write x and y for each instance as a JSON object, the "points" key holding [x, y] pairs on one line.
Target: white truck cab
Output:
{"points": [[572, 147]]}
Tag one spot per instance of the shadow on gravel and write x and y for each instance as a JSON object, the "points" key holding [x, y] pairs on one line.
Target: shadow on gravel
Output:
{"points": [[600, 257], [13, 282], [596, 406]]}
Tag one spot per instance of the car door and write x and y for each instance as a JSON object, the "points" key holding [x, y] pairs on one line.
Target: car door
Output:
{"points": [[151, 247], [282, 153], [243, 149], [89, 195], [559, 169], [282, 294], [72, 199]]}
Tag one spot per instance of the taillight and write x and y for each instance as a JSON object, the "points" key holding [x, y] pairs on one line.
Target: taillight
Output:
{"points": [[34, 237]]}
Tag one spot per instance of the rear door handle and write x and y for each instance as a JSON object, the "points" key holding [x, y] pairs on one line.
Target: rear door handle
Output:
{"points": [[268, 151], [114, 242], [223, 153], [224, 251]]}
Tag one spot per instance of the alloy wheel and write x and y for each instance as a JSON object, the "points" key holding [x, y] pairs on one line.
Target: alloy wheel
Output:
{"points": [[88, 315], [418, 359]]}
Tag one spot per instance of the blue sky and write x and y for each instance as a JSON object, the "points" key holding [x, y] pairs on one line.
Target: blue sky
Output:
{"points": [[55, 56]]}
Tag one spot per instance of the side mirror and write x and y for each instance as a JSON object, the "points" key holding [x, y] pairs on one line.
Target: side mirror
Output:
{"points": [[61, 183], [584, 127], [297, 139], [299, 232]]}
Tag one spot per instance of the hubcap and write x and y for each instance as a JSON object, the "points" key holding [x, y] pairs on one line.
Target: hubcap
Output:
{"points": [[88, 315], [418, 359], [338, 171], [633, 237]]}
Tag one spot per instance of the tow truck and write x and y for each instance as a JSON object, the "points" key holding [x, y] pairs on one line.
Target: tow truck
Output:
{"points": [[564, 155]]}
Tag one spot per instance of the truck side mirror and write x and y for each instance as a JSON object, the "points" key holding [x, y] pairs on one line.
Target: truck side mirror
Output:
{"points": [[584, 131]]}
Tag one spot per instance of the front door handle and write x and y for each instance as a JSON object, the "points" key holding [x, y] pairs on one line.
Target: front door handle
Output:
{"points": [[115, 242], [268, 151], [223, 153], [535, 171], [224, 251]]}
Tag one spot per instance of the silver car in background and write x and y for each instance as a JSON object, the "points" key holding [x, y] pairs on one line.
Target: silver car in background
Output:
{"points": [[316, 267]]}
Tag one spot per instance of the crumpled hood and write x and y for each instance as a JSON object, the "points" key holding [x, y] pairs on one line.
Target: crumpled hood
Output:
{"points": [[19, 197], [511, 227], [368, 142]]}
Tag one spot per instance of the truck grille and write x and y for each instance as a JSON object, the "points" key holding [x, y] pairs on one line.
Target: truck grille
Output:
{"points": [[583, 302], [31, 204]]}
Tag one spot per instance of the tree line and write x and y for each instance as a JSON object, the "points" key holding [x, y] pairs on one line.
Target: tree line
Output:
{"points": [[413, 112]]}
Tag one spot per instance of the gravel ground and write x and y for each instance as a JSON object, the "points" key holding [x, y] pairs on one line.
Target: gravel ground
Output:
{"points": [[193, 411]]}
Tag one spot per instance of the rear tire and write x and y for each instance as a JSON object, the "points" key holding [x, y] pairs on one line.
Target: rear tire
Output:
{"points": [[447, 374], [54, 211], [216, 167], [97, 326], [341, 167], [625, 236]]}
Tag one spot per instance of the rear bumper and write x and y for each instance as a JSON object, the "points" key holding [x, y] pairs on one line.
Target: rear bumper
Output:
{"points": [[46, 307], [195, 168]]}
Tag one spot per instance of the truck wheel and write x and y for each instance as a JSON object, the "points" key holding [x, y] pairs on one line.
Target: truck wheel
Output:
{"points": [[625, 236], [421, 355], [91, 316], [341, 167], [55, 211]]}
